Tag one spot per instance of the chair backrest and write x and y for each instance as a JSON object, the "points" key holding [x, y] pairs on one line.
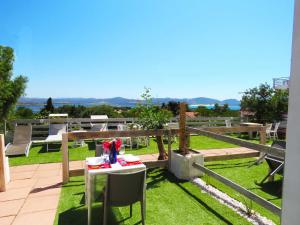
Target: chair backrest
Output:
{"points": [[99, 117], [268, 127], [125, 188], [122, 127], [99, 127], [22, 134], [228, 123], [276, 126], [57, 129]]}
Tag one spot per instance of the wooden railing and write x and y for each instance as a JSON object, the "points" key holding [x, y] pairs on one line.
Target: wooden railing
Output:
{"points": [[254, 197], [40, 127]]}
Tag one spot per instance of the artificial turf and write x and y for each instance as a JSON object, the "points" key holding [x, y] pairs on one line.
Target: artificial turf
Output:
{"points": [[38, 153], [238, 171], [168, 201]]}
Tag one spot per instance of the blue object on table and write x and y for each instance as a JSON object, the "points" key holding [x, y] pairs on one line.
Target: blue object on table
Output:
{"points": [[113, 153]]}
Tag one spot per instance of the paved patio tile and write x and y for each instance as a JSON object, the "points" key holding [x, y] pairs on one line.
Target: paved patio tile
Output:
{"points": [[36, 218], [47, 173], [74, 165], [39, 192], [14, 194], [6, 220], [25, 168], [47, 181], [41, 203], [21, 183], [49, 166], [22, 175], [10, 208]]}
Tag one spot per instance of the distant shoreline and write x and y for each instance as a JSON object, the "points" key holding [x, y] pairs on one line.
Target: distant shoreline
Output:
{"points": [[36, 107]]}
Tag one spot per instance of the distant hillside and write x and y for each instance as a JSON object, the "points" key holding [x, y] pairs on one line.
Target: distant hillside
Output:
{"points": [[119, 101]]}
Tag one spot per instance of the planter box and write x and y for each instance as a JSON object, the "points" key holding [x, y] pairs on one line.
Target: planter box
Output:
{"points": [[7, 173], [182, 166]]}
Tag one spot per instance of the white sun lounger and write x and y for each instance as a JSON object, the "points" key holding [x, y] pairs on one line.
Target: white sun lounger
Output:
{"points": [[21, 141], [55, 134]]}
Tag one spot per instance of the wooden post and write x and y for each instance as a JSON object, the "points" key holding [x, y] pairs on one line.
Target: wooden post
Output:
{"points": [[169, 149], [65, 158], [2, 164], [262, 136], [182, 129]]}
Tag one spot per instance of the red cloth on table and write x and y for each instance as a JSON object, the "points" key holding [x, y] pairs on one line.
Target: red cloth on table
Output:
{"points": [[107, 165]]}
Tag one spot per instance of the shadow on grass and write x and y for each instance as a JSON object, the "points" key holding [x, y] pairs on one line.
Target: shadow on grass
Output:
{"points": [[164, 175], [273, 188], [218, 166], [52, 148]]}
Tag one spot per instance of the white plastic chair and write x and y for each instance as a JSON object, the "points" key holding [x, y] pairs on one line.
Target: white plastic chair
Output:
{"points": [[273, 133]]}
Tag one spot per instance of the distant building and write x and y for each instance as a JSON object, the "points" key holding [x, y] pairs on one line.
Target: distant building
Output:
{"points": [[281, 83], [191, 114]]}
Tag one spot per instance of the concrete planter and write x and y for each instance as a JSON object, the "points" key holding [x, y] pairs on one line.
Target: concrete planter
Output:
{"points": [[182, 166], [7, 172]]}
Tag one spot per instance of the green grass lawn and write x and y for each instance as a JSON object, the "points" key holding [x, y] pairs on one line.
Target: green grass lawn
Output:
{"points": [[38, 153], [255, 139], [168, 201], [238, 171]]}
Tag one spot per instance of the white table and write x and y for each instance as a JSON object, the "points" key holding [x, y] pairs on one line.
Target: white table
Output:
{"points": [[249, 124], [90, 180]]}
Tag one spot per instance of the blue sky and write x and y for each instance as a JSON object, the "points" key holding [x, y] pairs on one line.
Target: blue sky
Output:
{"points": [[114, 48]]}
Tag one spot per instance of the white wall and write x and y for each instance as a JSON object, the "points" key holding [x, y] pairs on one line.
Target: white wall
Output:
{"points": [[291, 186]]}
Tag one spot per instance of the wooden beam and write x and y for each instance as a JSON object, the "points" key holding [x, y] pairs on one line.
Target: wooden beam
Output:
{"points": [[259, 200], [169, 149], [182, 128], [65, 159], [263, 136], [2, 164], [115, 133], [237, 129], [262, 148]]}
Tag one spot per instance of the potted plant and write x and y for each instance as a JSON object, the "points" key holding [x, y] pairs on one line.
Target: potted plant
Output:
{"points": [[182, 160], [152, 117]]}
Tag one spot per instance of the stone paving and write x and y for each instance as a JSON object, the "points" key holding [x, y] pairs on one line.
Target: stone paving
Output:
{"points": [[32, 195]]}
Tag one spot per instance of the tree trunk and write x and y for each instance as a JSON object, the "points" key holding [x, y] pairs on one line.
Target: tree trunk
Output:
{"points": [[161, 149]]}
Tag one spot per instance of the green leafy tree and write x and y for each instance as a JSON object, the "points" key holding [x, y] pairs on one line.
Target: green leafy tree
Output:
{"points": [[11, 89], [100, 110], [24, 113], [269, 105], [49, 105], [151, 117], [171, 106]]}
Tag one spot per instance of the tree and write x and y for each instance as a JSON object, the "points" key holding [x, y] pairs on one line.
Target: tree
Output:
{"points": [[10, 89], [153, 117], [100, 110], [268, 104], [24, 113], [49, 105], [173, 107]]}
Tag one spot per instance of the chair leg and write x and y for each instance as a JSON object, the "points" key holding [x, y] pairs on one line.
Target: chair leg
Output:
{"points": [[105, 211], [130, 210], [143, 210]]}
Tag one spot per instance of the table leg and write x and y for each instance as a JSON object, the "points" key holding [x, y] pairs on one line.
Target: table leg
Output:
{"points": [[90, 196]]}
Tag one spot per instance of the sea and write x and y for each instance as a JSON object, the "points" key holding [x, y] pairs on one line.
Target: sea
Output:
{"points": [[232, 107], [37, 107]]}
